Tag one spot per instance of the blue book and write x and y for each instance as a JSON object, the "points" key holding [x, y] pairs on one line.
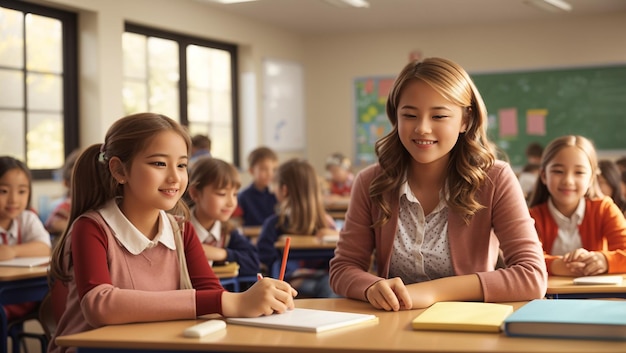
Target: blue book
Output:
{"points": [[569, 318]]}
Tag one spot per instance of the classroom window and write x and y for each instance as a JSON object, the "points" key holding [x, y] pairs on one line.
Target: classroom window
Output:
{"points": [[189, 79], [38, 90]]}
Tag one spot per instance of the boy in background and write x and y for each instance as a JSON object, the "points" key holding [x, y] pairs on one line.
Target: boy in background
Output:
{"points": [[200, 147], [257, 201]]}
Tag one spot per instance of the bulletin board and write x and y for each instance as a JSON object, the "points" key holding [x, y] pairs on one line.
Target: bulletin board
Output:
{"points": [[538, 106], [371, 123]]}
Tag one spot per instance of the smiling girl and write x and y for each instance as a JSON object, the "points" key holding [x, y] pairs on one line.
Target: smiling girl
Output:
{"points": [[438, 207], [582, 233], [124, 258]]}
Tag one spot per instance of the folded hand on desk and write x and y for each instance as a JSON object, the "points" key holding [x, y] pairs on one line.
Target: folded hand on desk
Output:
{"points": [[389, 294], [265, 297], [582, 262]]}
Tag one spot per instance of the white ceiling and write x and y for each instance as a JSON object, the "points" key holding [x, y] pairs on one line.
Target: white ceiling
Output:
{"points": [[317, 17]]}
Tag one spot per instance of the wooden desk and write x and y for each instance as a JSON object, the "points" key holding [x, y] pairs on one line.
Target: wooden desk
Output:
{"points": [[9, 274], [304, 242], [336, 203], [228, 275], [393, 333], [563, 288], [251, 231], [303, 247], [20, 285]]}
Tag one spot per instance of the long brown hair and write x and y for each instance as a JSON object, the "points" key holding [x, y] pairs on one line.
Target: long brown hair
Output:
{"points": [[541, 193], [92, 182], [469, 159], [302, 211]]}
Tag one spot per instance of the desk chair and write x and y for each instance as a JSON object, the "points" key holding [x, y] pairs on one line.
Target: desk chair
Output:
{"points": [[14, 294]]}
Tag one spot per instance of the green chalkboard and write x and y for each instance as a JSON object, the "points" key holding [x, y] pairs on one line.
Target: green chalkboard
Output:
{"points": [[538, 106]]}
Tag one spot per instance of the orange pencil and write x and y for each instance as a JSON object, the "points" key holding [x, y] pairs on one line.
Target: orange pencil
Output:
{"points": [[283, 266]]}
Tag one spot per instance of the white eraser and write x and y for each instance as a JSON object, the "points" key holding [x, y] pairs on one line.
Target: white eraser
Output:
{"points": [[204, 328]]}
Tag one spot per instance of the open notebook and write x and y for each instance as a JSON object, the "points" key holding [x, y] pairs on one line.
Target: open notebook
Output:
{"points": [[26, 261], [308, 320]]}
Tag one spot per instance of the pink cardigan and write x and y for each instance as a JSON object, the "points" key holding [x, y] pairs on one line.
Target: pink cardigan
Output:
{"points": [[473, 248]]}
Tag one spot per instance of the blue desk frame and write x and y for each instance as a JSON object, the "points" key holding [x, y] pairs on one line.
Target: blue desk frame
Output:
{"points": [[15, 292]]}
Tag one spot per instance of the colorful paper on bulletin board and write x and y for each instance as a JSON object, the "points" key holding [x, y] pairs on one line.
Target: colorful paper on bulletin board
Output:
{"points": [[507, 122], [371, 121], [536, 122]]}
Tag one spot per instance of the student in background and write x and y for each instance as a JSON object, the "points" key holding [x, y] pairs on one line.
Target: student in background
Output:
{"points": [[530, 172], [257, 202], [438, 206], [583, 232], [21, 232], [123, 258], [57, 220], [534, 151], [200, 147], [213, 187], [610, 182], [301, 213], [339, 174], [621, 163]]}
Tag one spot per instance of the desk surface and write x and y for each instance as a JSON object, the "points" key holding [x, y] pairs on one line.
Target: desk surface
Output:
{"points": [[565, 285], [228, 270], [251, 231], [393, 333], [18, 273], [305, 242], [336, 203]]}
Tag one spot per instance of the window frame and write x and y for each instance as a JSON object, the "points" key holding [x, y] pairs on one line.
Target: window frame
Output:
{"points": [[69, 51], [183, 41]]}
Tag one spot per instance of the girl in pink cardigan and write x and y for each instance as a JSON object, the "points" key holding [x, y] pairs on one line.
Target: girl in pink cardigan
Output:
{"points": [[437, 209], [583, 232], [124, 259]]}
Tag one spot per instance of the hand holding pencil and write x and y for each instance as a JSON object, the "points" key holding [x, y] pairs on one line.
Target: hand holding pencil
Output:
{"points": [[265, 297]]}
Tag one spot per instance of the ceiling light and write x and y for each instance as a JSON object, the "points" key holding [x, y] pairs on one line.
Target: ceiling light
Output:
{"points": [[550, 5], [231, 1], [350, 3]]}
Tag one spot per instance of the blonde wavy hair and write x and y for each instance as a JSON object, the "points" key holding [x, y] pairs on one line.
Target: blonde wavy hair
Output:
{"points": [[469, 159]]}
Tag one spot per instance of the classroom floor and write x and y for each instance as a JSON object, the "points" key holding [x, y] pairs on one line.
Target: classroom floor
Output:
{"points": [[32, 345]]}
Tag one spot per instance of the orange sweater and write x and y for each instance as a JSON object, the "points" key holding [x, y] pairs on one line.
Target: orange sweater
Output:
{"points": [[603, 229]]}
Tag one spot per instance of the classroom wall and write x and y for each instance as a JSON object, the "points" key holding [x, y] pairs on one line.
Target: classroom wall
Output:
{"points": [[330, 63], [333, 63]]}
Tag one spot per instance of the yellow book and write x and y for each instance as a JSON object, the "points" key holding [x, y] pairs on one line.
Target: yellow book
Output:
{"points": [[463, 316]]}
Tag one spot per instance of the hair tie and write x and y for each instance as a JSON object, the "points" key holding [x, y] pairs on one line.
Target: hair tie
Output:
{"points": [[101, 156]]}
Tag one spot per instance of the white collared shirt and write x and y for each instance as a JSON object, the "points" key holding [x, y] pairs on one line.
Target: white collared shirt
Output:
{"points": [[129, 236], [568, 236], [420, 248], [28, 227], [213, 235]]}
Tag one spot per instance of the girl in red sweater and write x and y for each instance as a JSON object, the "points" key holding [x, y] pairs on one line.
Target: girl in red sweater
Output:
{"points": [[124, 258], [582, 231]]}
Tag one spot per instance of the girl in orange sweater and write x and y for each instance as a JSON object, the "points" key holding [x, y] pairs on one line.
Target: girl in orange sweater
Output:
{"points": [[583, 232]]}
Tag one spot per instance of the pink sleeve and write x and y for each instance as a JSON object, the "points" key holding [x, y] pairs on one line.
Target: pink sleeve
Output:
{"points": [[349, 267]]}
